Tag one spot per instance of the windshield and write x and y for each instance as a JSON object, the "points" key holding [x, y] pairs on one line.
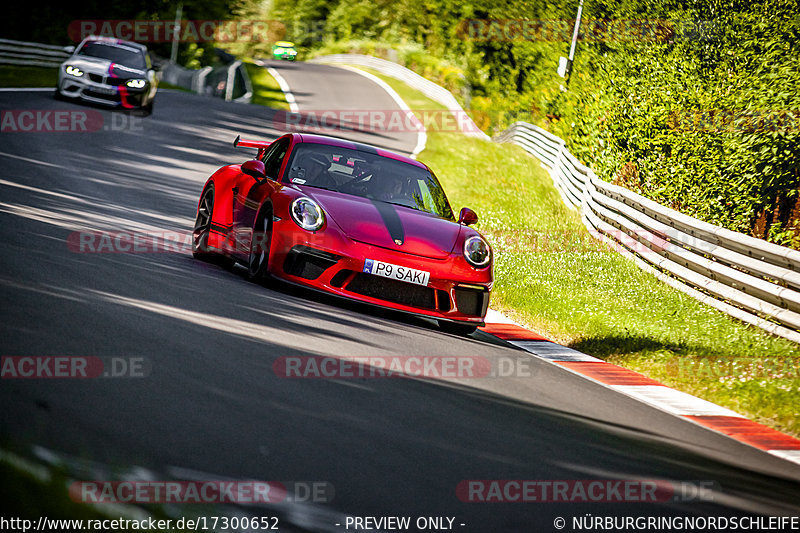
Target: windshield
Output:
{"points": [[124, 55], [368, 176]]}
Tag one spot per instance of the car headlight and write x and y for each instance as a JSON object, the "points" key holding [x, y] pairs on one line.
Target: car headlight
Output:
{"points": [[74, 71], [307, 214], [477, 252], [135, 84]]}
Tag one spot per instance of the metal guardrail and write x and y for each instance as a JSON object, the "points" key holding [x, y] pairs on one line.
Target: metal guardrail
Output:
{"points": [[32, 54], [435, 92], [748, 278], [236, 72], [229, 82]]}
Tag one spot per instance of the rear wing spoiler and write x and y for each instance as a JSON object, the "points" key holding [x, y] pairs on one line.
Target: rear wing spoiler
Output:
{"points": [[244, 143]]}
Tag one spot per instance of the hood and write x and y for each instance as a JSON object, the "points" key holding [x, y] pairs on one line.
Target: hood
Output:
{"points": [[389, 226], [105, 67]]}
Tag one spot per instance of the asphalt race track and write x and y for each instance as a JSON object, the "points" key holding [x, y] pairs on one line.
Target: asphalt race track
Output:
{"points": [[321, 88], [211, 405]]}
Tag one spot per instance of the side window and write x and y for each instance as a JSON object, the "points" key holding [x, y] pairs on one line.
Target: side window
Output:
{"points": [[424, 199], [273, 159]]}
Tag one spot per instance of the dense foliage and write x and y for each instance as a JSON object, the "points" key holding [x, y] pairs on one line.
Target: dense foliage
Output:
{"points": [[698, 110], [49, 21]]}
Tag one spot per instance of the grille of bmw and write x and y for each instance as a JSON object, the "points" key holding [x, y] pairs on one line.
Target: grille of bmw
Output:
{"points": [[393, 291], [97, 78], [308, 263]]}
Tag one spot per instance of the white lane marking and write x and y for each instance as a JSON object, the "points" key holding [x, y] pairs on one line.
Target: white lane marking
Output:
{"points": [[554, 352], [673, 401], [496, 317], [422, 137], [287, 91], [789, 455], [29, 160], [26, 89]]}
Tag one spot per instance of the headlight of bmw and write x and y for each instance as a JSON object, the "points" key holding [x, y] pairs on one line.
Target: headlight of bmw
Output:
{"points": [[477, 252], [73, 71], [135, 84], [307, 214]]}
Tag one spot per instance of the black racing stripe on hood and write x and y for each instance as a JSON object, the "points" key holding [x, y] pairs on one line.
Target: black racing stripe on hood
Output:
{"points": [[391, 220]]}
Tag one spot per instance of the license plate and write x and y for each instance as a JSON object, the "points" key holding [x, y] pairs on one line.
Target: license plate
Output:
{"points": [[105, 90], [400, 273]]}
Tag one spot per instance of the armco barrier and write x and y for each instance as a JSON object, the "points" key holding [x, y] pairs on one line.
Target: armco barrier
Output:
{"points": [[31, 54], [748, 278]]}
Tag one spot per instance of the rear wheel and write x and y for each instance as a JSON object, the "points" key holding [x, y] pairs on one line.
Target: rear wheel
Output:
{"points": [[457, 328], [202, 226], [260, 245]]}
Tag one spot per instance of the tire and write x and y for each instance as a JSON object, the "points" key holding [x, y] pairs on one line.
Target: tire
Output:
{"points": [[260, 243], [58, 96], [457, 328], [144, 111], [202, 225]]}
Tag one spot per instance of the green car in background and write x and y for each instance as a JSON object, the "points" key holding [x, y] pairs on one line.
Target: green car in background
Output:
{"points": [[284, 50]]}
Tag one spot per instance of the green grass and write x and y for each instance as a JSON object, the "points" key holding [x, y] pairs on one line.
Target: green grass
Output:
{"points": [[32, 489], [32, 496], [266, 90], [19, 76], [552, 276]]}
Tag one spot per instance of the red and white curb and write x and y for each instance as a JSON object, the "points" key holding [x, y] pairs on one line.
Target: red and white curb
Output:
{"points": [[646, 390]]}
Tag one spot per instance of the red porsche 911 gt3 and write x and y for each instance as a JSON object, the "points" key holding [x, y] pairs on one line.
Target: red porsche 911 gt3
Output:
{"points": [[351, 220]]}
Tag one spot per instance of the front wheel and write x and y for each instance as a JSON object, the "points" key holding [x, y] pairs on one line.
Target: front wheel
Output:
{"points": [[457, 328], [260, 242], [144, 111], [202, 225]]}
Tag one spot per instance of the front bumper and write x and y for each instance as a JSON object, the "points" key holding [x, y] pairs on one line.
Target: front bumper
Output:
{"points": [[284, 56], [103, 93], [331, 262]]}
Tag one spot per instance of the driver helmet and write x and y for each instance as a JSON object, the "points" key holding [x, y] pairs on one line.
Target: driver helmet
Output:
{"points": [[310, 166]]}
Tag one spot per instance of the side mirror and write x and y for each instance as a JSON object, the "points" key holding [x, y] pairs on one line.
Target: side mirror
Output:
{"points": [[69, 49], [254, 168], [467, 216]]}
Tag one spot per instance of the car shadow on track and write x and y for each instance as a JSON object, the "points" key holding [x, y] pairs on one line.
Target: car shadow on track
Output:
{"points": [[331, 300]]}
